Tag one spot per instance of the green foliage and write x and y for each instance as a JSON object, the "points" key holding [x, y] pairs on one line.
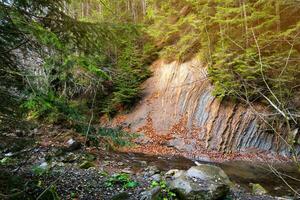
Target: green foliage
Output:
{"points": [[49, 193], [51, 108], [174, 28], [6, 161], [108, 10], [39, 170], [251, 47], [166, 193], [96, 63], [122, 180]]}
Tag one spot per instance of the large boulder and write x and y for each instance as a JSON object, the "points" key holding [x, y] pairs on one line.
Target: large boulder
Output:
{"points": [[204, 182], [208, 173]]}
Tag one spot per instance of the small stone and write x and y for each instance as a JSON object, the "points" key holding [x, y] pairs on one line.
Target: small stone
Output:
{"points": [[86, 165], [156, 177], [285, 198], [127, 171], [9, 154], [143, 163], [150, 194], [278, 188], [60, 164], [71, 157], [258, 189], [174, 173], [73, 145], [151, 170], [44, 166]]}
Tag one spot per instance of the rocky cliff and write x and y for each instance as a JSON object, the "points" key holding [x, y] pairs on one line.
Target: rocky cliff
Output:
{"points": [[179, 111]]}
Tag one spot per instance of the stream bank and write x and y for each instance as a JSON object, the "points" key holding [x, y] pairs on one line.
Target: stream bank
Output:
{"points": [[78, 173]]}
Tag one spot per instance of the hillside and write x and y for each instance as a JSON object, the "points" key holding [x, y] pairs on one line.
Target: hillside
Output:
{"points": [[149, 99]]}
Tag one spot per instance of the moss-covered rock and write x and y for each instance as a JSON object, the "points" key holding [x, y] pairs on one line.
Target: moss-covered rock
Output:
{"points": [[258, 189], [86, 165]]}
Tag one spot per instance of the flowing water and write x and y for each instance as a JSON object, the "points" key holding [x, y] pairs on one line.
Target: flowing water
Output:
{"points": [[241, 172]]}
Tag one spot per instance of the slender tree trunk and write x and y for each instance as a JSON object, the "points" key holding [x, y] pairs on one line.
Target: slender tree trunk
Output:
{"points": [[246, 22], [82, 9], [144, 6]]}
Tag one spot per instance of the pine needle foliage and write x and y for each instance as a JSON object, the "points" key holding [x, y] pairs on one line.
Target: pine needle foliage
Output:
{"points": [[252, 48], [99, 63]]}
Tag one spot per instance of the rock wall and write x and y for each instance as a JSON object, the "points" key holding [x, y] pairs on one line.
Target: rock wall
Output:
{"points": [[178, 106]]}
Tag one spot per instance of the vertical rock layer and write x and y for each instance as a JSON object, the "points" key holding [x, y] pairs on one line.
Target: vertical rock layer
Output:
{"points": [[178, 103]]}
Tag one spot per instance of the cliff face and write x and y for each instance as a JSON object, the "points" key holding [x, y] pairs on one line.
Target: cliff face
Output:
{"points": [[179, 109]]}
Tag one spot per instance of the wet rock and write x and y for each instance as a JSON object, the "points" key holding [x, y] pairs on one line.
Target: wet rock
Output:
{"points": [[150, 194], [202, 158], [73, 145], [285, 198], [208, 173], [258, 189]]}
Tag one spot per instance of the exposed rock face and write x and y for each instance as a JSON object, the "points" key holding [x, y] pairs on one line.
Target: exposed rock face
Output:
{"points": [[178, 104]]}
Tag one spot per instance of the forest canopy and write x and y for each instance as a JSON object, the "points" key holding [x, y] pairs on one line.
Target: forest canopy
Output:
{"points": [[251, 48], [64, 61], [92, 55]]}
